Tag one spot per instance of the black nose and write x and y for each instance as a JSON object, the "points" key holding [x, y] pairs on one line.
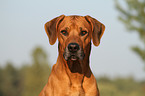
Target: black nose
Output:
{"points": [[73, 47]]}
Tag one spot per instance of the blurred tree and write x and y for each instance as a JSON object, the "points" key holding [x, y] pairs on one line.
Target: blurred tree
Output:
{"points": [[9, 82], [36, 75], [134, 19]]}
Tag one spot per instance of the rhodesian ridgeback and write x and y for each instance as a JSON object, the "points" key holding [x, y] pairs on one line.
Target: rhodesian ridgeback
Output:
{"points": [[71, 75]]}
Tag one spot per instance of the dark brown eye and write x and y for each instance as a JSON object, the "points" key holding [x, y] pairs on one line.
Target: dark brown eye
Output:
{"points": [[64, 32], [83, 33]]}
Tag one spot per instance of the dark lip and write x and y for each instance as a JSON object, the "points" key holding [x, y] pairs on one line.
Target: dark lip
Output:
{"points": [[73, 57]]}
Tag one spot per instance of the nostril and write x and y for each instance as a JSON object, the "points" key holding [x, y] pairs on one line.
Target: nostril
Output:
{"points": [[76, 47], [70, 47]]}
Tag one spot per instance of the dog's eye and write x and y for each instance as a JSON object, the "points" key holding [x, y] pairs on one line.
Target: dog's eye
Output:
{"points": [[64, 32], [83, 33]]}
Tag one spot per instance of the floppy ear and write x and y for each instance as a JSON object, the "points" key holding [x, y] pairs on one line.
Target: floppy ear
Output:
{"points": [[51, 28], [97, 28]]}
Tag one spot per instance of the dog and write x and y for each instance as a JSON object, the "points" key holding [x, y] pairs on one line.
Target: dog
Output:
{"points": [[71, 75]]}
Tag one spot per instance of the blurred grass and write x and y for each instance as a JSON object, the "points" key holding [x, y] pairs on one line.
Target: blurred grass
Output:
{"points": [[121, 87]]}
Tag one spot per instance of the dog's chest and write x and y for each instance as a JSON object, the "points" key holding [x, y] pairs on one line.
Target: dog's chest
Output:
{"points": [[76, 91]]}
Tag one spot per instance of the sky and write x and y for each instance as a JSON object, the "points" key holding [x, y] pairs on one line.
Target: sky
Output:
{"points": [[22, 29]]}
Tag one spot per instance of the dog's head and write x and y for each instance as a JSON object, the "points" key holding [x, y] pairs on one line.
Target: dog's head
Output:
{"points": [[74, 34]]}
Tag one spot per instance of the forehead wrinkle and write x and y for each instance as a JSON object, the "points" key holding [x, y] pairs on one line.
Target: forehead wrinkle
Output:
{"points": [[80, 22], [74, 17], [75, 22]]}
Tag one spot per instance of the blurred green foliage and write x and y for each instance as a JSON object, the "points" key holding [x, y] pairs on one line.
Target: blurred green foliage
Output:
{"points": [[30, 79], [121, 87], [133, 18]]}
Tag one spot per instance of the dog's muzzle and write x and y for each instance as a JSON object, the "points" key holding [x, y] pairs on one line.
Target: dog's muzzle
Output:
{"points": [[73, 52]]}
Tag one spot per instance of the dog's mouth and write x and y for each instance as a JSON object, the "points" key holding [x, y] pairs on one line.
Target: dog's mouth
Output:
{"points": [[73, 56]]}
